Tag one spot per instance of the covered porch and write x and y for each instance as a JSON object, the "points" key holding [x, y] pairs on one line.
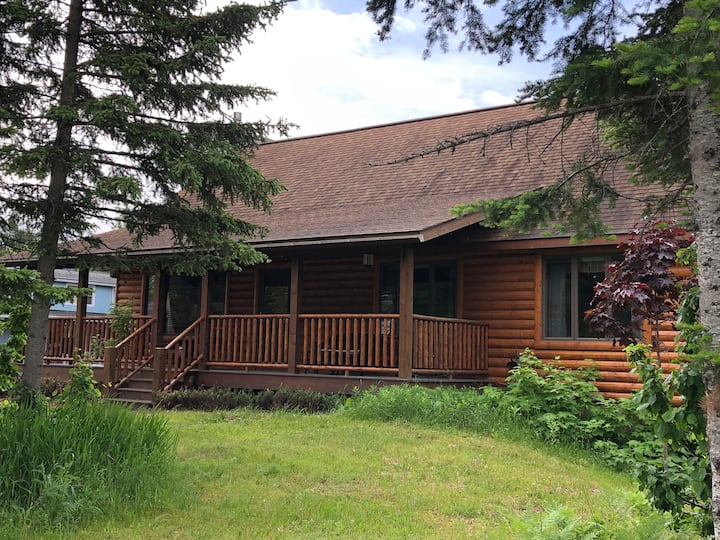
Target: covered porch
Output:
{"points": [[184, 331]]}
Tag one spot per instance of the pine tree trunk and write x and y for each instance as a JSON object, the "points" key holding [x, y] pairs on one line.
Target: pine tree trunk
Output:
{"points": [[705, 165], [54, 212]]}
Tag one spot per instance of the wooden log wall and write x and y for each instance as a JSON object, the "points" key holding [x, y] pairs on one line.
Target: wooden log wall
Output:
{"points": [[500, 290], [505, 291], [241, 292], [129, 290], [337, 286]]}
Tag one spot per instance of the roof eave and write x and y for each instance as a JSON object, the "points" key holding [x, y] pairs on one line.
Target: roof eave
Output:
{"points": [[425, 235], [450, 226], [337, 240]]}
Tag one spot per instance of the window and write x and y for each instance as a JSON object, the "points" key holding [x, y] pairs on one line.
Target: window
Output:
{"points": [[275, 291], [217, 282], [568, 289], [389, 288], [435, 289], [183, 298], [149, 292], [73, 301], [182, 303], [434, 292]]}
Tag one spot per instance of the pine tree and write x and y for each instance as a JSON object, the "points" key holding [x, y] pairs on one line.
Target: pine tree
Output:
{"points": [[115, 108]]}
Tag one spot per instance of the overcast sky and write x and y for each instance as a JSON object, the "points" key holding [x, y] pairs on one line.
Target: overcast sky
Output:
{"points": [[331, 72]]}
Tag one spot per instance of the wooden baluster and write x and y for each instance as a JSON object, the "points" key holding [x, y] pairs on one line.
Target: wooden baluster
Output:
{"points": [[421, 342], [372, 331], [363, 342], [224, 339], [233, 341], [444, 345], [307, 341], [333, 342]]}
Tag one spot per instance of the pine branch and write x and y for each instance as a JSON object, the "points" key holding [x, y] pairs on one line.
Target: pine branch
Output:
{"points": [[452, 143]]}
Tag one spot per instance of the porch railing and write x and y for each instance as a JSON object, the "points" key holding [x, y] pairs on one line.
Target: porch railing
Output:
{"points": [[130, 355], [325, 343], [349, 342], [60, 339], [96, 331], [249, 340], [449, 345], [179, 357]]}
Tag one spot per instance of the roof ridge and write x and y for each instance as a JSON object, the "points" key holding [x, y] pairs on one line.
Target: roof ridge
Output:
{"points": [[399, 122]]}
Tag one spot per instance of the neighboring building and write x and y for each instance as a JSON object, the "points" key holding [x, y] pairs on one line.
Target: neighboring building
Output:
{"points": [[99, 302], [373, 282]]}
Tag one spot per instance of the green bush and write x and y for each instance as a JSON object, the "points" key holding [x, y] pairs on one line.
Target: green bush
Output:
{"points": [[303, 401], [61, 466], [217, 398], [560, 405], [81, 387], [121, 322], [52, 387], [204, 399]]}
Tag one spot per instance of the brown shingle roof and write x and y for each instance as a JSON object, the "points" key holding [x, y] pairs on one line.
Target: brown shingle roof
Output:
{"points": [[334, 193]]}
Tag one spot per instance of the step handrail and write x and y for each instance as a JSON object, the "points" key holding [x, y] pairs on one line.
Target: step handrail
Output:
{"points": [[181, 364], [134, 335]]}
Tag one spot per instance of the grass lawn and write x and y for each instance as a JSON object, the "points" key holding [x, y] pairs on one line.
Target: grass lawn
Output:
{"points": [[249, 474]]}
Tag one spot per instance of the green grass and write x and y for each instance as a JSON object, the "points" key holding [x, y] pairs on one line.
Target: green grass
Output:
{"points": [[61, 466], [249, 474]]}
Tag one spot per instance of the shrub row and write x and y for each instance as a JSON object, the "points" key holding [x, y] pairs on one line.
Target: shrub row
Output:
{"points": [[216, 398]]}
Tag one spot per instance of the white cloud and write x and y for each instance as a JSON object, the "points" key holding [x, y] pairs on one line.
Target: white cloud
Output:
{"points": [[331, 72]]}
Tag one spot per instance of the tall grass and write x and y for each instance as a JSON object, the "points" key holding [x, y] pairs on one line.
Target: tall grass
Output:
{"points": [[61, 466], [481, 412], [542, 402]]}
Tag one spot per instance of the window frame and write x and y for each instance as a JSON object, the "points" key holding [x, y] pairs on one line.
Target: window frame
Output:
{"points": [[431, 266], [272, 274], [575, 309], [73, 301], [191, 287]]}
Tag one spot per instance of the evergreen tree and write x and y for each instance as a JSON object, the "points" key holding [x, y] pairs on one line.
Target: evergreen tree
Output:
{"points": [[650, 71], [116, 108]]}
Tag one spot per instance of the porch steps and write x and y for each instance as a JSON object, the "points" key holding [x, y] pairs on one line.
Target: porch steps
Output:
{"points": [[135, 391]]}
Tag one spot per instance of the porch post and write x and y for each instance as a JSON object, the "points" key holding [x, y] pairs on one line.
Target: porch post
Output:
{"points": [[159, 364], [294, 343], [80, 313], [160, 355], [204, 312], [407, 277], [109, 368], [158, 308]]}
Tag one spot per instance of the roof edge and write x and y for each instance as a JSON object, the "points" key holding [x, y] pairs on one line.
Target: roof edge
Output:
{"points": [[451, 226], [398, 122]]}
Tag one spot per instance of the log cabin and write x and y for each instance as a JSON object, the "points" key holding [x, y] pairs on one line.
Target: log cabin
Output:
{"points": [[371, 280]]}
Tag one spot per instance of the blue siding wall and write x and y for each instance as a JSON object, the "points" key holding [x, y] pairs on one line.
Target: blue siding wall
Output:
{"points": [[102, 299]]}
